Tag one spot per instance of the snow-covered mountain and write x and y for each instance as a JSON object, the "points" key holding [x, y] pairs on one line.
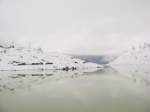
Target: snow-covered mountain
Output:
{"points": [[136, 55], [21, 58]]}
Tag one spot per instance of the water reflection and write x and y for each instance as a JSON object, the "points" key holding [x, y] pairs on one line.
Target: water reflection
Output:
{"points": [[12, 80], [123, 89], [139, 74]]}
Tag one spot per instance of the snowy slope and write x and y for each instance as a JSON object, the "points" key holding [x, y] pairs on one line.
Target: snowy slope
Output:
{"points": [[20, 58], [136, 55]]}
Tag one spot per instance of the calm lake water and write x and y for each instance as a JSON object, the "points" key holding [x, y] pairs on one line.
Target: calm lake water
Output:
{"points": [[118, 89]]}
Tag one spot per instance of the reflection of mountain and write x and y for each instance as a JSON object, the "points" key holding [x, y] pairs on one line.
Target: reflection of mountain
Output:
{"points": [[11, 80], [105, 71], [16, 80], [137, 73], [103, 90]]}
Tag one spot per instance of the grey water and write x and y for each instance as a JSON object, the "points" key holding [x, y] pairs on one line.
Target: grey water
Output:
{"points": [[118, 89]]}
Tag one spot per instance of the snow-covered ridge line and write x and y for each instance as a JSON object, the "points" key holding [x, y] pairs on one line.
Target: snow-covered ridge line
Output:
{"points": [[136, 55], [21, 58]]}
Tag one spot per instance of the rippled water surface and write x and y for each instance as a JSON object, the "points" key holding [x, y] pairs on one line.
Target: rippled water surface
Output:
{"points": [[118, 89]]}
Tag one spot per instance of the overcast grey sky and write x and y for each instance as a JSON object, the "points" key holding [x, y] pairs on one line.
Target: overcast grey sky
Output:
{"points": [[75, 26]]}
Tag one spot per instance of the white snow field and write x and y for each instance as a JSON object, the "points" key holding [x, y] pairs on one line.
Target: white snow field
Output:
{"points": [[21, 58], [139, 55]]}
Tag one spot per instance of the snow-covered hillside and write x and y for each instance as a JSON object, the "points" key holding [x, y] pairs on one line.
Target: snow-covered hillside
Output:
{"points": [[20, 58], [136, 55]]}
